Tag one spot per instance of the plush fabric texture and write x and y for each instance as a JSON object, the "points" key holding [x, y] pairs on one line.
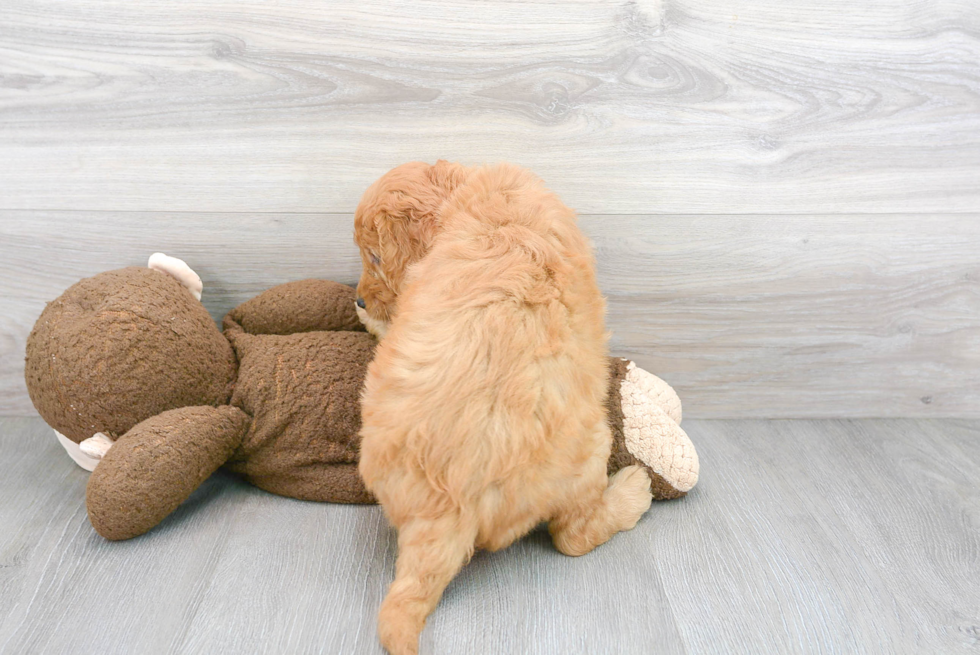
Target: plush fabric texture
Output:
{"points": [[301, 306], [156, 465], [655, 389], [621, 456], [123, 346], [303, 356], [303, 392], [651, 435]]}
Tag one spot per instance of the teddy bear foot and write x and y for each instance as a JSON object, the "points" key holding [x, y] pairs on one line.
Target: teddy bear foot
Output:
{"points": [[78, 455], [651, 413], [96, 446]]}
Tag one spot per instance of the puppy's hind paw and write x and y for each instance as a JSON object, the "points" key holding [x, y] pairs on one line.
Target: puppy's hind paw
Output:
{"points": [[628, 496]]}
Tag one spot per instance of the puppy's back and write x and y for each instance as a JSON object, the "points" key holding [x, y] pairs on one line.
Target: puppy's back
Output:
{"points": [[498, 348]]}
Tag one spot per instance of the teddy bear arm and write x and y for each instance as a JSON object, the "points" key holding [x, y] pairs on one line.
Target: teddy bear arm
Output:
{"points": [[151, 469], [302, 306]]}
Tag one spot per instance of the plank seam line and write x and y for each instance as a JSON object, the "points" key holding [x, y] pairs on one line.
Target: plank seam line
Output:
{"points": [[580, 214]]}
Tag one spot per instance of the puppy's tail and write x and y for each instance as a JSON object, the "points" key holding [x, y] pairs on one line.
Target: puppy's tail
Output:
{"points": [[430, 554]]}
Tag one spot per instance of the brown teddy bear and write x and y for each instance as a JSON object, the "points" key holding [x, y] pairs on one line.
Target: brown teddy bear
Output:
{"points": [[135, 377]]}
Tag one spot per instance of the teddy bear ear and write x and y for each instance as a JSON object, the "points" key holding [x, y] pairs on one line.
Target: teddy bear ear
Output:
{"points": [[179, 270]]}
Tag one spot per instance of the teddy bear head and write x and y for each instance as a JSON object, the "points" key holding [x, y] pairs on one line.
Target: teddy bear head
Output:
{"points": [[120, 347]]}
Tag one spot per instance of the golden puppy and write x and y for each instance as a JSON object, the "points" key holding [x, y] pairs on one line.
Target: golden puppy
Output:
{"points": [[483, 410]]}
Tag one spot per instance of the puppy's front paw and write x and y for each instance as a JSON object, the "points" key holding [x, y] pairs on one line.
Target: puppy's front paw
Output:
{"points": [[628, 496]]}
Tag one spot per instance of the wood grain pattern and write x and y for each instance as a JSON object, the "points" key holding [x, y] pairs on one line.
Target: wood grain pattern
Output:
{"points": [[801, 537], [747, 316], [652, 106], [830, 537], [816, 316]]}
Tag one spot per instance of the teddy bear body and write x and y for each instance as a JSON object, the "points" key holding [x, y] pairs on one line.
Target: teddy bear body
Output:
{"points": [[301, 391]]}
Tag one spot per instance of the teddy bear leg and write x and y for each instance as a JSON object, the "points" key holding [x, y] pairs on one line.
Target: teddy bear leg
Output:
{"points": [[643, 413], [156, 465], [641, 381], [657, 442]]}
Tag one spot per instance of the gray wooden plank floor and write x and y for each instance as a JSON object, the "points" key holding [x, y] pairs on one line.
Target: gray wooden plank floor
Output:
{"points": [[802, 537]]}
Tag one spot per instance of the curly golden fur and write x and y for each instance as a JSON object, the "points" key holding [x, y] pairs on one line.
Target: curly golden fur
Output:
{"points": [[483, 410]]}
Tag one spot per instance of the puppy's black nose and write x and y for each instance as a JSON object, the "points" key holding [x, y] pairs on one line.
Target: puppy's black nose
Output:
{"points": [[360, 303]]}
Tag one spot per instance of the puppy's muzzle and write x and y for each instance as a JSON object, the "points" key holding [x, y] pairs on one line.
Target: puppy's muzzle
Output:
{"points": [[373, 325]]}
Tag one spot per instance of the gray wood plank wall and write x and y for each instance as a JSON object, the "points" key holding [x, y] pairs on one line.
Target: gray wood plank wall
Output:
{"points": [[784, 196]]}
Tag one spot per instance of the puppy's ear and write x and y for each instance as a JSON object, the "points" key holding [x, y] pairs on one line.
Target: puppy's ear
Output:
{"points": [[402, 236], [411, 219]]}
